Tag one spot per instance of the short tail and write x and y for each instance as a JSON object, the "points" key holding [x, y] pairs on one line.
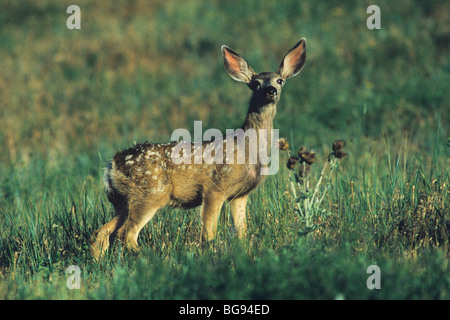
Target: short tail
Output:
{"points": [[107, 183]]}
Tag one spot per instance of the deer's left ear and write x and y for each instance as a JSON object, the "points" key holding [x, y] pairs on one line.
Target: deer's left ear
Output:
{"points": [[293, 61]]}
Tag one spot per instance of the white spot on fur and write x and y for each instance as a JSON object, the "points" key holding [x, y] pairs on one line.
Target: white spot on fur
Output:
{"points": [[151, 153]]}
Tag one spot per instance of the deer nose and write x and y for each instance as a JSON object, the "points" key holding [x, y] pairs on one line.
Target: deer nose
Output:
{"points": [[271, 91]]}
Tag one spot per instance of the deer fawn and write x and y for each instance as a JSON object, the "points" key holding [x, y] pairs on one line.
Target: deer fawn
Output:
{"points": [[144, 178]]}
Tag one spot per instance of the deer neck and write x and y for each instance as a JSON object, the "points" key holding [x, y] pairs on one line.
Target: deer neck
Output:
{"points": [[261, 120], [260, 117]]}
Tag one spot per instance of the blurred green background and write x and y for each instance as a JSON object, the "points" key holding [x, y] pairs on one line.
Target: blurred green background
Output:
{"points": [[137, 70]]}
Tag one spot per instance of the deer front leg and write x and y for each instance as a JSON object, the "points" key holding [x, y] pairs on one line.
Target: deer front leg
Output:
{"points": [[238, 209], [212, 205]]}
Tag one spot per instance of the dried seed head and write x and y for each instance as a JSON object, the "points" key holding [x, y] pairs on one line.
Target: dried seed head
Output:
{"points": [[292, 161], [340, 154], [301, 151], [303, 171], [338, 144], [337, 149], [283, 144], [311, 157], [306, 156]]}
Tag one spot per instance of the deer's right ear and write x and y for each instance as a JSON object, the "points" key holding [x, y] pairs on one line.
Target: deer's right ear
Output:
{"points": [[236, 66]]}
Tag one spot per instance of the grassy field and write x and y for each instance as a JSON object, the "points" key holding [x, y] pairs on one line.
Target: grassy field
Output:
{"points": [[137, 70]]}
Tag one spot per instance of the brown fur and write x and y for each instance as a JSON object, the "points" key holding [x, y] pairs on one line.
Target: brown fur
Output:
{"points": [[143, 179]]}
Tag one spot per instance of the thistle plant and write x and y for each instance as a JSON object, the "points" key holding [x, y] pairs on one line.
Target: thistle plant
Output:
{"points": [[308, 199]]}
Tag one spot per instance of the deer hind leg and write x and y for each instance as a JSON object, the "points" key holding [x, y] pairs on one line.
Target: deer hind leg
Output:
{"points": [[139, 214], [125, 226], [102, 237], [212, 205], [238, 209]]}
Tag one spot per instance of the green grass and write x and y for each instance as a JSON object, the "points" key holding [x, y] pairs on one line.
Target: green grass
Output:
{"points": [[137, 70]]}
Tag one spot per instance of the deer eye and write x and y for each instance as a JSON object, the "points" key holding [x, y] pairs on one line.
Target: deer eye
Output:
{"points": [[254, 85], [280, 81]]}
